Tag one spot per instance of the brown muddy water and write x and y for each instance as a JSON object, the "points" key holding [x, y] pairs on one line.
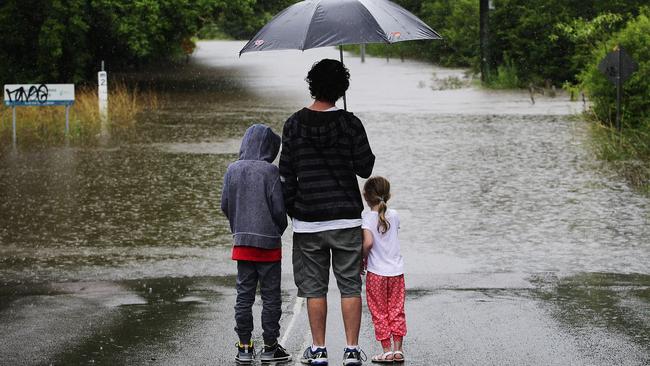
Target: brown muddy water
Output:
{"points": [[519, 245]]}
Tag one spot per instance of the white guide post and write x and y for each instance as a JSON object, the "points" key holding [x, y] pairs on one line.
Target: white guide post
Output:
{"points": [[102, 93]]}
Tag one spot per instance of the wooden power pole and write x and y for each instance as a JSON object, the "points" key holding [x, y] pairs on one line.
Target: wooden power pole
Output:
{"points": [[484, 10]]}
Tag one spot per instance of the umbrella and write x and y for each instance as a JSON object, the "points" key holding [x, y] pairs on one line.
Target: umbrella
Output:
{"points": [[322, 23]]}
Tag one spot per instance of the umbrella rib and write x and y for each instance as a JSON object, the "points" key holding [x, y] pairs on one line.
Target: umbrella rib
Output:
{"points": [[262, 30], [379, 4], [311, 21], [384, 35], [363, 3]]}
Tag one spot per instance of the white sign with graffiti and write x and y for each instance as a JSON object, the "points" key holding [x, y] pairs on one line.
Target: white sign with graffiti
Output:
{"points": [[38, 94]]}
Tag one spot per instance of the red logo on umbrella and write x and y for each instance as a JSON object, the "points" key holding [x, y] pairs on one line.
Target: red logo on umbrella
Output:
{"points": [[395, 34], [259, 42]]}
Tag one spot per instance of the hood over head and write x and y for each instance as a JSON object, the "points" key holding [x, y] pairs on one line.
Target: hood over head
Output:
{"points": [[260, 143]]}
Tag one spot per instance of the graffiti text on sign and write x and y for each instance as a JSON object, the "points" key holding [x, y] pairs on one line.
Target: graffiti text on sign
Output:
{"points": [[33, 94]]}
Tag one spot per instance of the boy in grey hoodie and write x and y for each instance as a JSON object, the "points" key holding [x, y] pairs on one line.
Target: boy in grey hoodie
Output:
{"points": [[253, 203]]}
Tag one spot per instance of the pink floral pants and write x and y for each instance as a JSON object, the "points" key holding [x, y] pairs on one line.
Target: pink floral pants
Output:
{"points": [[385, 297]]}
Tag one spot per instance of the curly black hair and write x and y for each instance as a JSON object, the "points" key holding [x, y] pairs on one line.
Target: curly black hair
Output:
{"points": [[328, 80]]}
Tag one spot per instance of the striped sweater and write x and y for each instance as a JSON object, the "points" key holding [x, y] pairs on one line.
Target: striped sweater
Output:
{"points": [[322, 154]]}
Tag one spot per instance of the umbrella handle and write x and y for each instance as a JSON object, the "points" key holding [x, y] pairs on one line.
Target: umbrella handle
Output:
{"points": [[345, 102]]}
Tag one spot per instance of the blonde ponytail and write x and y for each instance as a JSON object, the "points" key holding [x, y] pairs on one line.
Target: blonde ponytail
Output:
{"points": [[383, 225]]}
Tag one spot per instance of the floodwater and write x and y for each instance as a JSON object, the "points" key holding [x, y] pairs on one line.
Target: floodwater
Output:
{"points": [[520, 247]]}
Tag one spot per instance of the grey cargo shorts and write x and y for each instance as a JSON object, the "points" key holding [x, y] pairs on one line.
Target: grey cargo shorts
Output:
{"points": [[311, 261]]}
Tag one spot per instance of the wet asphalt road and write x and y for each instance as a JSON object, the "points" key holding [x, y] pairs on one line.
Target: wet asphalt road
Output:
{"points": [[474, 319], [520, 248]]}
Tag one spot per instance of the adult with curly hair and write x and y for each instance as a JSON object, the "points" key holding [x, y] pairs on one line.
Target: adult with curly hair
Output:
{"points": [[324, 149]]}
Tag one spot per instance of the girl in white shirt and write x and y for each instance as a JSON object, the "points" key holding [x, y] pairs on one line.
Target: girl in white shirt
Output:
{"points": [[385, 288]]}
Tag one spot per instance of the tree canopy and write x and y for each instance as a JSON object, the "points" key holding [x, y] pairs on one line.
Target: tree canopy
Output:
{"points": [[65, 40], [529, 38]]}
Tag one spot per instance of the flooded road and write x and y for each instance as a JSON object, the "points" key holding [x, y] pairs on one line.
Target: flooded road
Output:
{"points": [[520, 248]]}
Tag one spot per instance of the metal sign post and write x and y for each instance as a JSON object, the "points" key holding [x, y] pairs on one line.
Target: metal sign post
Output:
{"points": [[13, 125], [618, 66], [67, 120], [16, 95]]}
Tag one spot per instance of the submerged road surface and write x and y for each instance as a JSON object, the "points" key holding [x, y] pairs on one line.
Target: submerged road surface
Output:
{"points": [[520, 248]]}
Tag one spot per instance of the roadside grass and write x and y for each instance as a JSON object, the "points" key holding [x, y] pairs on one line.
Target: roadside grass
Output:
{"points": [[46, 125], [505, 77], [628, 151]]}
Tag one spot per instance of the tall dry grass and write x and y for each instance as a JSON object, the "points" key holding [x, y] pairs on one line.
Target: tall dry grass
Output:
{"points": [[46, 125], [628, 151]]}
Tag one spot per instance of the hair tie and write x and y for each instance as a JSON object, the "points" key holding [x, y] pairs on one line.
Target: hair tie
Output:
{"points": [[381, 199]]}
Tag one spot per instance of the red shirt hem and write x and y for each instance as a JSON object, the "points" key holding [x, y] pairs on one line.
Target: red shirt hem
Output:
{"points": [[253, 254]]}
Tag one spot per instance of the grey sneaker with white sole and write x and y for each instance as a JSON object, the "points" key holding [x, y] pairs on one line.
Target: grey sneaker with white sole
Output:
{"points": [[245, 353], [275, 353]]}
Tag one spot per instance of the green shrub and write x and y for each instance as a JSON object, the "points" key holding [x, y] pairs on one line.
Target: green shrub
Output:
{"points": [[212, 31], [521, 29], [457, 22], [629, 150], [635, 39], [533, 34], [505, 76], [586, 35]]}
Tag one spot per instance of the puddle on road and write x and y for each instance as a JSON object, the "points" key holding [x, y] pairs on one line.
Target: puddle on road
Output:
{"points": [[616, 303], [146, 316]]}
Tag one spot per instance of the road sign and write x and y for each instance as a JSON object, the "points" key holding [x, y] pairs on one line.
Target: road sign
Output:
{"points": [[17, 95], [618, 66], [38, 94], [611, 65]]}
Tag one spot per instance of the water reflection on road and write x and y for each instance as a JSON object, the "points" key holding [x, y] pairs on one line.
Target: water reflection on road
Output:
{"points": [[504, 209]]}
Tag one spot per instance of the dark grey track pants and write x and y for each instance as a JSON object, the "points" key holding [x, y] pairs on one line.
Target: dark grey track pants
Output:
{"points": [[268, 275]]}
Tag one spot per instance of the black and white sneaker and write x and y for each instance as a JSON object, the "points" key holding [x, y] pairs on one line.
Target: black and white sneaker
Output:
{"points": [[245, 353], [353, 357], [317, 357], [275, 353]]}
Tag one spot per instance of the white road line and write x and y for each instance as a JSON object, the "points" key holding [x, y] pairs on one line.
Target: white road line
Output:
{"points": [[306, 343], [297, 307]]}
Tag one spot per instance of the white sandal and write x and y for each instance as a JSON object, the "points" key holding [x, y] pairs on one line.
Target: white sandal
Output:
{"points": [[382, 358], [398, 360]]}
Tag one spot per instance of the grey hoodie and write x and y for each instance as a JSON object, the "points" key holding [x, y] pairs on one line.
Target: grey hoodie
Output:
{"points": [[252, 194]]}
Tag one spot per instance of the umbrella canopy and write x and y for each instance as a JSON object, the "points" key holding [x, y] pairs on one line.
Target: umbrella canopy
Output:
{"points": [[321, 23]]}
